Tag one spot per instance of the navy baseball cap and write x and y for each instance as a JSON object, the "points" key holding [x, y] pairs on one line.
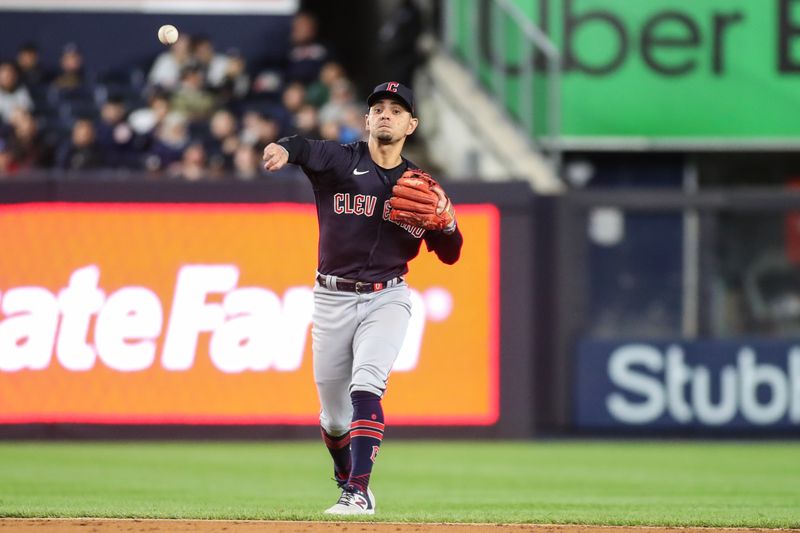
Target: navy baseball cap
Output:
{"points": [[395, 91]]}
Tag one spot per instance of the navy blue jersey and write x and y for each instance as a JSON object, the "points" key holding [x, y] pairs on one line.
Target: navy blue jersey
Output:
{"points": [[356, 238]]}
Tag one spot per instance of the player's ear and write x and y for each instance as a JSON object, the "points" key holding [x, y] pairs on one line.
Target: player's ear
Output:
{"points": [[366, 121], [412, 125]]}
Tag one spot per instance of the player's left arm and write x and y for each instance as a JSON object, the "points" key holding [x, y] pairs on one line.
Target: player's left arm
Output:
{"points": [[446, 246]]}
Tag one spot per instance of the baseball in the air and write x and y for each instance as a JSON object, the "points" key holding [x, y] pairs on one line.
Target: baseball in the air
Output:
{"points": [[168, 34]]}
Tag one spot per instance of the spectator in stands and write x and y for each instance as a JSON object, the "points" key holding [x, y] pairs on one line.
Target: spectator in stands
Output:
{"points": [[329, 131], [171, 139], [223, 141], [145, 119], [114, 134], [269, 131], [258, 129], [71, 76], [192, 98], [319, 91], [307, 54], [267, 84], [192, 166], [306, 123], [29, 148], [293, 98], [247, 163], [342, 99], [235, 83], [351, 125], [31, 73], [13, 95], [213, 65], [82, 151], [167, 68]]}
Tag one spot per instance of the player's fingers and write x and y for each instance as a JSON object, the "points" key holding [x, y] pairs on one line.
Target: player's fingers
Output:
{"points": [[441, 205], [269, 151], [281, 159], [270, 158]]}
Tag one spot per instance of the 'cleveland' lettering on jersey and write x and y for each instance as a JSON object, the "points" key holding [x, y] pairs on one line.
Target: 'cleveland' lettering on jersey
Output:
{"points": [[413, 230], [360, 204]]}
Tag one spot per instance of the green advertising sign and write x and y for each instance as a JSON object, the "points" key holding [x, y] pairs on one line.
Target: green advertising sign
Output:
{"points": [[681, 70]]}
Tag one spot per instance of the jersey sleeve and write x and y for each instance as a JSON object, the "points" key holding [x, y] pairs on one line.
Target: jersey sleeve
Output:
{"points": [[446, 247], [318, 157]]}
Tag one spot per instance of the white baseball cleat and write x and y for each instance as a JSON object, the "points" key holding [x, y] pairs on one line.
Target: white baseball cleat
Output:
{"points": [[354, 501]]}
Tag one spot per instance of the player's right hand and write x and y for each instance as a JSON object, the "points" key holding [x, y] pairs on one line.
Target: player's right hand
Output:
{"points": [[275, 156]]}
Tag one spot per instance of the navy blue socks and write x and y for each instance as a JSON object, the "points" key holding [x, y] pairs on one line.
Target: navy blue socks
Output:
{"points": [[366, 434]]}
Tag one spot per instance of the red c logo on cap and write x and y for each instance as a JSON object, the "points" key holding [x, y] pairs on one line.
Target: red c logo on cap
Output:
{"points": [[392, 86]]}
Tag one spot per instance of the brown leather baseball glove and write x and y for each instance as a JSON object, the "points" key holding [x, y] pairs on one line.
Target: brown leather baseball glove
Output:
{"points": [[417, 199]]}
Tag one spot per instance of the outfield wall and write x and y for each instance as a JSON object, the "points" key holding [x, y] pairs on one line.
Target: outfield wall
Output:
{"points": [[143, 310]]}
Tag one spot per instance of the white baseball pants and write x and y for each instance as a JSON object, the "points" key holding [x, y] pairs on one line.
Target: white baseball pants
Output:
{"points": [[355, 340]]}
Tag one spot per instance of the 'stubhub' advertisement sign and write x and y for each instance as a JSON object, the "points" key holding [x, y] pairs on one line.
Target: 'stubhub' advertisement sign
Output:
{"points": [[201, 313], [723, 384]]}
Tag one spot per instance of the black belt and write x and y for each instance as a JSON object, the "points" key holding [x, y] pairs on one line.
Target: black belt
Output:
{"points": [[358, 287]]}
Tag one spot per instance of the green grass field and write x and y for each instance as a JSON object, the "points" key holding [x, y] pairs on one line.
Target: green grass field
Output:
{"points": [[635, 483]]}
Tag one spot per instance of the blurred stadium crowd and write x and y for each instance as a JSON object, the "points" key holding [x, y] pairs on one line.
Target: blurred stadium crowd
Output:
{"points": [[195, 114]]}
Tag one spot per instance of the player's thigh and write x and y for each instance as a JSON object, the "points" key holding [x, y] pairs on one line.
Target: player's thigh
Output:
{"points": [[332, 330], [378, 340]]}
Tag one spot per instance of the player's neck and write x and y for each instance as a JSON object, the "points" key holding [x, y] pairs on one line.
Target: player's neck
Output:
{"points": [[385, 155]]}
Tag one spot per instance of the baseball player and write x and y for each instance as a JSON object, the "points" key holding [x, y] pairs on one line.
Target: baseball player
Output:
{"points": [[374, 210]]}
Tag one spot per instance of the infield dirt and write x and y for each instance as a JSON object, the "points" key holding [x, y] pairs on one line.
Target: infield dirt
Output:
{"points": [[204, 526]]}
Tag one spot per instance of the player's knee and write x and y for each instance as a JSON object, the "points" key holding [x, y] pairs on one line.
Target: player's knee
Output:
{"points": [[337, 409], [368, 380]]}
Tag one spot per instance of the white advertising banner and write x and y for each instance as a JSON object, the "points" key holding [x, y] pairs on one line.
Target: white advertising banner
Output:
{"points": [[199, 7]]}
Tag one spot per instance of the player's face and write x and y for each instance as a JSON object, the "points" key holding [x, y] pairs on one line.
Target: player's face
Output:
{"points": [[389, 122]]}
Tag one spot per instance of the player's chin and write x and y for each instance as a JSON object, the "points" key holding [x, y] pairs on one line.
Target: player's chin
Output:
{"points": [[384, 136]]}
